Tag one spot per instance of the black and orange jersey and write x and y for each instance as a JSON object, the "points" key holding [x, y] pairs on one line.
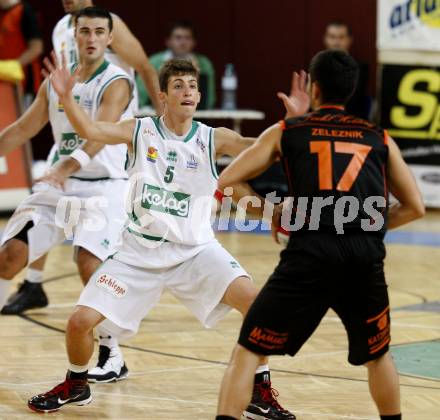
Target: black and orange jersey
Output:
{"points": [[336, 168]]}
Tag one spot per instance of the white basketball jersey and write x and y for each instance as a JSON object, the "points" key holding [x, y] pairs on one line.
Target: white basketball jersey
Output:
{"points": [[109, 162], [172, 183], [63, 41]]}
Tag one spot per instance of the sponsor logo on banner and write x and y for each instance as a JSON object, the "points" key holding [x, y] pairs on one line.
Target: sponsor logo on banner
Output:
{"points": [[152, 154], [3, 166], [110, 283], [160, 199], [410, 111], [409, 24]]}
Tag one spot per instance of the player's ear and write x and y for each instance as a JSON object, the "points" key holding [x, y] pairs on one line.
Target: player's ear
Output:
{"points": [[110, 38], [316, 91], [162, 96]]}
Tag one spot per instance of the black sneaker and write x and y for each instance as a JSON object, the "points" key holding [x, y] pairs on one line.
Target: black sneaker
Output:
{"points": [[28, 296], [264, 404], [111, 366], [71, 391]]}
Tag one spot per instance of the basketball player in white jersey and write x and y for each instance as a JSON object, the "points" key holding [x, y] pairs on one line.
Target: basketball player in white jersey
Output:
{"points": [[85, 177], [126, 52], [169, 243]]}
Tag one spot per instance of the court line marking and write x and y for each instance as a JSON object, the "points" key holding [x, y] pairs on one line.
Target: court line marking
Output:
{"points": [[218, 362]]}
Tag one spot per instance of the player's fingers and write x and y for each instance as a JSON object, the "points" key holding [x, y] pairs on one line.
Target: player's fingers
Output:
{"points": [[283, 97], [303, 81], [44, 73], [55, 59], [295, 83], [48, 64]]}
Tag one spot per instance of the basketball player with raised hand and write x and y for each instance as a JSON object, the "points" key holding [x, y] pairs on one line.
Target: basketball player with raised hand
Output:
{"points": [[169, 242], [126, 52], [89, 177], [340, 169]]}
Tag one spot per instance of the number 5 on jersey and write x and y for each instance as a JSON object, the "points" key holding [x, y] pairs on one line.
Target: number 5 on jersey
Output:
{"points": [[169, 174]]}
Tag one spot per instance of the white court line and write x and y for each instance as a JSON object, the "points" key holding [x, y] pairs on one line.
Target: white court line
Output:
{"points": [[144, 372], [179, 400]]}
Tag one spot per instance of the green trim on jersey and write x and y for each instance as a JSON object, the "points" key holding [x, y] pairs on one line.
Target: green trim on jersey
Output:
{"points": [[55, 159], [99, 70], [194, 127], [211, 155], [134, 144], [101, 91], [151, 238], [156, 123]]}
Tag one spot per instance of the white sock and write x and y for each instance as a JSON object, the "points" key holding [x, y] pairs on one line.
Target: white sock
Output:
{"points": [[77, 368], [262, 368], [4, 291], [34, 276], [105, 337]]}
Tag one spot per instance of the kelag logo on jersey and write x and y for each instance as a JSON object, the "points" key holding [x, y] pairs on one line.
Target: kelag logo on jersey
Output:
{"points": [[404, 14], [69, 142], [159, 199]]}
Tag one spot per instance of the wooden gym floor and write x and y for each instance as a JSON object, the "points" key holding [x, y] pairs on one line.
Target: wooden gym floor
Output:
{"points": [[176, 365]]}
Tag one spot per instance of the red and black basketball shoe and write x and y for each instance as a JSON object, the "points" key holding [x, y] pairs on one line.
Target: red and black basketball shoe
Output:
{"points": [[71, 391]]}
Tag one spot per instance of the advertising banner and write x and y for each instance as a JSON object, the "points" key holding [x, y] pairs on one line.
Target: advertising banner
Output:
{"points": [[410, 110]]}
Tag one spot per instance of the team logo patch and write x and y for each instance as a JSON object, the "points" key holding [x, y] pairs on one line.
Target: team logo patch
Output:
{"points": [[152, 154], [172, 156], [192, 163], [171, 202], [116, 287]]}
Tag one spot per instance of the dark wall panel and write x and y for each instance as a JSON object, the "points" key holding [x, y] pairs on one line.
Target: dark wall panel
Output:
{"points": [[265, 40]]}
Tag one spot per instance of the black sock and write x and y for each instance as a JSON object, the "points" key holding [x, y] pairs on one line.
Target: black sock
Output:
{"points": [[262, 377], [78, 375], [393, 417], [225, 418]]}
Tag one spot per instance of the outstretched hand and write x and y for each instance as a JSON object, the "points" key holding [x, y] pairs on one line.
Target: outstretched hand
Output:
{"points": [[60, 77], [298, 102]]}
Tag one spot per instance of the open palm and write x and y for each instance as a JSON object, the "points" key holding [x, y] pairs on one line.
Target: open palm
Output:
{"points": [[298, 102], [61, 79]]}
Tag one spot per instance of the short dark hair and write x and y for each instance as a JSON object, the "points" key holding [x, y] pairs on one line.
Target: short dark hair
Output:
{"points": [[340, 23], [336, 72], [175, 67], [95, 12], [182, 24]]}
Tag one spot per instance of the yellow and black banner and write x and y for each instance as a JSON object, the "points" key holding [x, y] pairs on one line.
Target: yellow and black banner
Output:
{"points": [[410, 111]]}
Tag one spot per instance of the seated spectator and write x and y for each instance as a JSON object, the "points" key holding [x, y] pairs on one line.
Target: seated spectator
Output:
{"points": [[21, 40], [181, 42], [338, 35]]}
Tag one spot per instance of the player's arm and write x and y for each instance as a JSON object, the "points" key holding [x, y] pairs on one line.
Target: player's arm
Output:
{"points": [[28, 125], [102, 132], [228, 142], [253, 161], [402, 185], [114, 101], [128, 47]]}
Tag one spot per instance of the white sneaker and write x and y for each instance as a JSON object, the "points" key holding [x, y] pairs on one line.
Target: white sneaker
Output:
{"points": [[110, 367]]}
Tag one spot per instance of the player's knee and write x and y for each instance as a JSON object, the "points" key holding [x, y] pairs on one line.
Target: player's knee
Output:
{"points": [[13, 257], [87, 264], [79, 323], [376, 362]]}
